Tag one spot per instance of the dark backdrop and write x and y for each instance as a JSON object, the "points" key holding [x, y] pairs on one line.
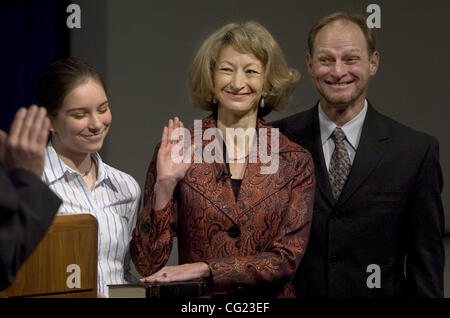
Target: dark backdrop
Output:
{"points": [[33, 34]]}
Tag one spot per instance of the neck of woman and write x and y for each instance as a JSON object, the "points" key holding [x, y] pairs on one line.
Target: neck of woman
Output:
{"points": [[238, 131], [78, 161]]}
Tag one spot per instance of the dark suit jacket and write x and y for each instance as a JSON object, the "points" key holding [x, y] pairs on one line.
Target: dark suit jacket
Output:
{"points": [[27, 208], [389, 213], [253, 244]]}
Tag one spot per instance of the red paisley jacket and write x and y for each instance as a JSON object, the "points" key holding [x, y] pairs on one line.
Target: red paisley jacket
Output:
{"points": [[255, 242]]}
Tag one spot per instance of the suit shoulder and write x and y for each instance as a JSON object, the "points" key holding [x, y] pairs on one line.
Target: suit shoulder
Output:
{"points": [[292, 153], [294, 159], [298, 127], [406, 134], [296, 119], [287, 145]]}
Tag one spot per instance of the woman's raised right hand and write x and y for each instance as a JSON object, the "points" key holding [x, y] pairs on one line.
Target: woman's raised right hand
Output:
{"points": [[169, 170]]}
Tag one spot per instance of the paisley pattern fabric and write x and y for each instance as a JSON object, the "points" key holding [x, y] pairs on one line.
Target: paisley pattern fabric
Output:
{"points": [[255, 241]]}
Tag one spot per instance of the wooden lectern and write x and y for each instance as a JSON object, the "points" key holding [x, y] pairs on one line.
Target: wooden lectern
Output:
{"points": [[64, 264]]}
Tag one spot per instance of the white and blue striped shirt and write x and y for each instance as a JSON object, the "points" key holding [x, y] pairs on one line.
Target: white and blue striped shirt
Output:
{"points": [[114, 202]]}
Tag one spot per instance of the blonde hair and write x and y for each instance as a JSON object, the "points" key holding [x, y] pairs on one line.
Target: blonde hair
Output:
{"points": [[249, 37]]}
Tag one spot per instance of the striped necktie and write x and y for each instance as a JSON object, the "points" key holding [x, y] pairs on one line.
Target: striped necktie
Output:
{"points": [[339, 164]]}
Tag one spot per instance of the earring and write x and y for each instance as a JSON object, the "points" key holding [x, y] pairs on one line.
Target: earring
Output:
{"points": [[214, 100], [261, 102]]}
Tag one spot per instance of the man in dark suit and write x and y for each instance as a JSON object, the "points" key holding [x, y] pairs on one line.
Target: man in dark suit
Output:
{"points": [[27, 205], [378, 217]]}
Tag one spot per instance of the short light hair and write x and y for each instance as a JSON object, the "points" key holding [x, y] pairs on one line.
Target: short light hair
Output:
{"points": [[249, 37], [356, 18]]}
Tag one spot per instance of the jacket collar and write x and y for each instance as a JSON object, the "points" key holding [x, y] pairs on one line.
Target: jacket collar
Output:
{"points": [[55, 169], [372, 146], [212, 181], [370, 151]]}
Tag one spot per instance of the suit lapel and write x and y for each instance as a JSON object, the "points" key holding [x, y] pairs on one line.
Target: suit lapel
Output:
{"points": [[314, 144], [369, 153]]}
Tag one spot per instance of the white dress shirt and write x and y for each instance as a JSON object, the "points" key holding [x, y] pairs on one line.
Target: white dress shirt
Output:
{"points": [[114, 202], [352, 131]]}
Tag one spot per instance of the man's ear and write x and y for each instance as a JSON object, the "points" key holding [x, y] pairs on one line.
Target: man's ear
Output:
{"points": [[309, 63], [374, 61]]}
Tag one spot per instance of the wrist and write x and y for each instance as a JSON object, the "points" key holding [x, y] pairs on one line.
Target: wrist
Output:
{"points": [[162, 194], [166, 184], [206, 271]]}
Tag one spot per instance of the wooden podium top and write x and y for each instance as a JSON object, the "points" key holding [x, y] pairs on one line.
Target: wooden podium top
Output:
{"points": [[64, 264]]}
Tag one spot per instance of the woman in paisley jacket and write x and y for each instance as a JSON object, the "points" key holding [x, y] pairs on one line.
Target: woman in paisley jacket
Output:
{"points": [[242, 222]]}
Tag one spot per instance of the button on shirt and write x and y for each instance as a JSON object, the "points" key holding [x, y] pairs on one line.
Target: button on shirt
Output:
{"points": [[113, 202], [352, 131]]}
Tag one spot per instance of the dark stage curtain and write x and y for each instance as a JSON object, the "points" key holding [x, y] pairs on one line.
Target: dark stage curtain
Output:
{"points": [[33, 35]]}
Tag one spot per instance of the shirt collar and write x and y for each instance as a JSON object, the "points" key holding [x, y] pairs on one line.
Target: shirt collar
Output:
{"points": [[352, 129], [55, 168]]}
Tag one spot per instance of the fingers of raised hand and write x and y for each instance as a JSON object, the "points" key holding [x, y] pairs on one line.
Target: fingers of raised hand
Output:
{"points": [[170, 130], [25, 146], [29, 131], [172, 136], [16, 126], [164, 138], [39, 128], [28, 124]]}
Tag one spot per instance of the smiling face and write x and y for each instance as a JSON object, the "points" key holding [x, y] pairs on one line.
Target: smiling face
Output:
{"points": [[340, 64], [82, 122], [238, 81]]}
